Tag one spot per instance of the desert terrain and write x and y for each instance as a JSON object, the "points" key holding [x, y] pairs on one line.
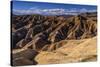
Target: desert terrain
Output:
{"points": [[40, 39]]}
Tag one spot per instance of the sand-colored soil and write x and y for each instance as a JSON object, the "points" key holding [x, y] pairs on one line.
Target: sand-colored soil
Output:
{"points": [[72, 51]]}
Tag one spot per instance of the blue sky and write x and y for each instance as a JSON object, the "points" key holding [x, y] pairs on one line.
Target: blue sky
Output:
{"points": [[41, 7]]}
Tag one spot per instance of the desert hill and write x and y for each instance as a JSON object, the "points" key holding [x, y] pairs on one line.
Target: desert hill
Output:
{"points": [[72, 51]]}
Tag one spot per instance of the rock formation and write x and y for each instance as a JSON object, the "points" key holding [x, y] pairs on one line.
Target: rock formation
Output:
{"points": [[37, 33]]}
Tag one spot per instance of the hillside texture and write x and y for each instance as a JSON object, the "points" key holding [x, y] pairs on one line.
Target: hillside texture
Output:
{"points": [[38, 39]]}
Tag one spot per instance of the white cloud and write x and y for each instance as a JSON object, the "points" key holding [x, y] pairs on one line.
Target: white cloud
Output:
{"points": [[33, 8], [83, 10]]}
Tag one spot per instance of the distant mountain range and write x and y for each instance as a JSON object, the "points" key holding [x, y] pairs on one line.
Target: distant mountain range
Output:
{"points": [[57, 11]]}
